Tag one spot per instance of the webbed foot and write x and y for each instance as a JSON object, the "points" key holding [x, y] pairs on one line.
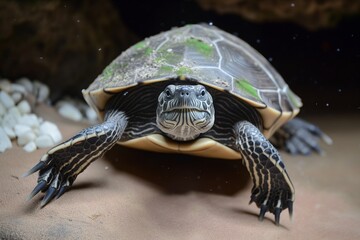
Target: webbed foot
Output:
{"points": [[60, 166], [300, 137]]}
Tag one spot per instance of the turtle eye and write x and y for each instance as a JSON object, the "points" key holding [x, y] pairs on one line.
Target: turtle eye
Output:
{"points": [[167, 92], [202, 92]]}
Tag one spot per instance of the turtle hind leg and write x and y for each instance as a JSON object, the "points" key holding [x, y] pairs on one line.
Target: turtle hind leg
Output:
{"points": [[299, 137], [272, 190], [60, 166]]}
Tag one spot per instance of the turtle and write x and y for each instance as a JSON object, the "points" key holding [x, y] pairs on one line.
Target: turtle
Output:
{"points": [[194, 90]]}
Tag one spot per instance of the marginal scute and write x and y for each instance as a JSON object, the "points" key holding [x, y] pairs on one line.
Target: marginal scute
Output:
{"points": [[295, 100]]}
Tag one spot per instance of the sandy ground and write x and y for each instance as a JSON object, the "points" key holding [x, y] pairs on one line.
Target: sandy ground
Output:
{"points": [[131, 194]]}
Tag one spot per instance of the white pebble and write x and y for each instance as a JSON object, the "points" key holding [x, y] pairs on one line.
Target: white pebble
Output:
{"points": [[41, 91], [15, 87], [24, 107], [26, 83], [17, 121], [29, 120], [44, 141], [30, 147], [65, 101], [2, 109], [15, 112], [5, 142], [25, 138], [52, 130], [21, 129], [16, 96], [6, 100], [70, 112], [90, 114], [5, 85], [10, 132], [9, 120]]}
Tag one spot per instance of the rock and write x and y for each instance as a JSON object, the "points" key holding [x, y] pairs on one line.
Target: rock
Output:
{"points": [[2, 109], [90, 30], [21, 129], [26, 83], [41, 91], [5, 85], [9, 120], [91, 114], [24, 107], [19, 88], [17, 121], [9, 131], [16, 96], [44, 141], [70, 112], [25, 138], [14, 111], [29, 120], [308, 13], [30, 147], [6, 100], [52, 130], [5, 142]]}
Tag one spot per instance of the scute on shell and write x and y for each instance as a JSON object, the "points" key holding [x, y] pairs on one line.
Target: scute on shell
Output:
{"points": [[208, 55]]}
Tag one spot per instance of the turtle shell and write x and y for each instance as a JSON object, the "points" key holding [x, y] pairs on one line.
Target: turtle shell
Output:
{"points": [[205, 54]]}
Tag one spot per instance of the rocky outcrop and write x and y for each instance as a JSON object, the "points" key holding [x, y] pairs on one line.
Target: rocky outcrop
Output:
{"points": [[312, 14], [64, 44]]}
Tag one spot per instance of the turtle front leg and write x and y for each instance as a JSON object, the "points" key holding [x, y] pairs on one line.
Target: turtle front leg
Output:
{"points": [[60, 166], [272, 190]]}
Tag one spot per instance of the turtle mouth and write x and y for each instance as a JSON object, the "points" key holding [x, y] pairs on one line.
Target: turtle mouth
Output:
{"points": [[182, 109], [185, 123], [193, 114]]}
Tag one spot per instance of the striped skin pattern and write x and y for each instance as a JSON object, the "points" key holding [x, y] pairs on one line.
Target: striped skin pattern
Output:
{"points": [[60, 166], [185, 111], [273, 190]]}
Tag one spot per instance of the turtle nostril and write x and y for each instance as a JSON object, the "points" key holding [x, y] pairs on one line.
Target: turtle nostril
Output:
{"points": [[184, 93]]}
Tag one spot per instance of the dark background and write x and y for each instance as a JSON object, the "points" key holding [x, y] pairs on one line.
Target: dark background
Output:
{"points": [[66, 44]]}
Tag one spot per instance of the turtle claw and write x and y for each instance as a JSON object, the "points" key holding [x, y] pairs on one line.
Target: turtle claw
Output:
{"points": [[52, 180], [40, 165], [277, 215], [273, 205], [50, 193], [290, 205], [263, 210], [39, 187], [64, 187], [61, 191], [276, 211]]}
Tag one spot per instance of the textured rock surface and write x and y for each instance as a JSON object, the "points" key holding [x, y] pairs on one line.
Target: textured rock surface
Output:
{"points": [[308, 13], [131, 194], [64, 44]]}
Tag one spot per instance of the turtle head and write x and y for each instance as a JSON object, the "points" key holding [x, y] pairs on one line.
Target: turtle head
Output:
{"points": [[185, 111]]}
